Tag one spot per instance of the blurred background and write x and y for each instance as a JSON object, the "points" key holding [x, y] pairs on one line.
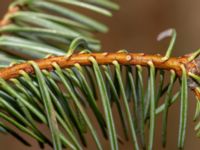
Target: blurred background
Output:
{"points": [[135, 27]]}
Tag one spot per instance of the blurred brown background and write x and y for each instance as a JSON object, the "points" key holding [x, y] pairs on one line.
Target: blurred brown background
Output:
{"points": [[135, 28]]}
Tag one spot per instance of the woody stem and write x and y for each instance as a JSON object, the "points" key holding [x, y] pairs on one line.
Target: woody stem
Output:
{"points": [[173, 63]]}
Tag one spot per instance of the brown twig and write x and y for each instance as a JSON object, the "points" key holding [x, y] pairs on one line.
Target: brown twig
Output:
{"points": [[173, 63], [5, 21]]}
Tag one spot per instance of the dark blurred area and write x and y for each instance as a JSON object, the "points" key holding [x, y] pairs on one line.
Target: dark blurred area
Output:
{"points": [[135, 27]]}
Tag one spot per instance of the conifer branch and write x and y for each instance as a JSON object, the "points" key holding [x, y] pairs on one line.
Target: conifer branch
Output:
{"points": [[173, 63]]}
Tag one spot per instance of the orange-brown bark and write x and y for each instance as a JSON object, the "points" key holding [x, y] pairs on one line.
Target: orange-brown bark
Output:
{"points": [[173, 63], [142, 59], [5, 21]]}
